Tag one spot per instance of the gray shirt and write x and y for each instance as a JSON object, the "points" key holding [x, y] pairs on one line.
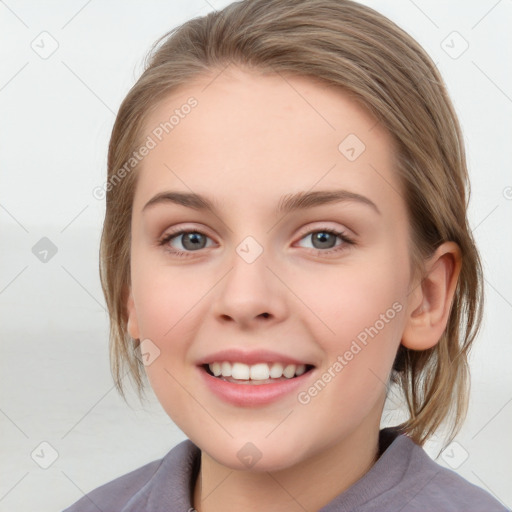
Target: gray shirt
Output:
{"points": [[404, 479]]}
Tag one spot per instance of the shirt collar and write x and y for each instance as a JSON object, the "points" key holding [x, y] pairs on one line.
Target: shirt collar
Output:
{"points": [[171, 486]]}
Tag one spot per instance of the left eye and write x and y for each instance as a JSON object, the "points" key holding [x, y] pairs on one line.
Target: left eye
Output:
{"points": [[326, 238]]}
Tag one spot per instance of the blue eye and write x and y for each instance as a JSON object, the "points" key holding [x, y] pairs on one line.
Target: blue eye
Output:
{"points": [[190, 240], [325, 238], [194, 240]]}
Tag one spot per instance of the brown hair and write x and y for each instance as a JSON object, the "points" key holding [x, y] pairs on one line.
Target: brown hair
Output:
{"points": [[351, 46]]}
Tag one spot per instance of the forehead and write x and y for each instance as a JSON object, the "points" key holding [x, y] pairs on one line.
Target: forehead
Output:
{"points": [[257, 133]]}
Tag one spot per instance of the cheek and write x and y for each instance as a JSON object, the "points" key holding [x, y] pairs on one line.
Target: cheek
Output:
{"points": [[166, 302], [164, 297], [165, 307], [358, 319], [345, 301]]}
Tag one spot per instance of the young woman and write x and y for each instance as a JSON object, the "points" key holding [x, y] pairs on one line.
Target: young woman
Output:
{"points": [[285, 241]]}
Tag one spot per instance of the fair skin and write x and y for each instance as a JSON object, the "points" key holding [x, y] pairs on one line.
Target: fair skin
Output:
{"points": [[250, 140]]}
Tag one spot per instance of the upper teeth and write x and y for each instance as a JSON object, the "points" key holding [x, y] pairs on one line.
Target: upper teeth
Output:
{"points": [[260, 371]]}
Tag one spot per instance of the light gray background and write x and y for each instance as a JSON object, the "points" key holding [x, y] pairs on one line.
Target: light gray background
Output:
{"points": [[56, 117]]}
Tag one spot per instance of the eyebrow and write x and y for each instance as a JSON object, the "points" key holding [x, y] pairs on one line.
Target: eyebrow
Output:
{"points": [[287, 203]]}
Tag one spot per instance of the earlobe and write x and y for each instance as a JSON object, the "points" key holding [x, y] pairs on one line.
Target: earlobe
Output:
{"points": [[132, 325], [431, 301]]}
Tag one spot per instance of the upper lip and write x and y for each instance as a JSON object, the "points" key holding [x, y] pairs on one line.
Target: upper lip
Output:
{"points": [[249, 357]]}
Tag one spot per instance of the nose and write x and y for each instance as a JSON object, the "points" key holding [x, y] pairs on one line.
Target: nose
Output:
{"points": [[251, 294]]}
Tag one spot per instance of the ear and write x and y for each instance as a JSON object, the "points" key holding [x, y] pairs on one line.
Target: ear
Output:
{"points": [[132, 324], [430, 302]]}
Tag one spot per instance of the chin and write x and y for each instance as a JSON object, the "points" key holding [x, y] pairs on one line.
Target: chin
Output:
{"points": [[258, 456]]}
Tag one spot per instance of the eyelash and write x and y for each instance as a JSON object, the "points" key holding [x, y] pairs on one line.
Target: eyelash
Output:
{"points": [[185, 254]]}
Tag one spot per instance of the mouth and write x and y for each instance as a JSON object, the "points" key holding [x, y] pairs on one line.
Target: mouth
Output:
{"points": [[262, 373]]}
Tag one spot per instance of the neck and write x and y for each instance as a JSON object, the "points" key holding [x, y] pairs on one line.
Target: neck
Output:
{"points": [[329, 473]]}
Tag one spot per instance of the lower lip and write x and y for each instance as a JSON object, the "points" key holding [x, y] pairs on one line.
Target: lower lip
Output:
{"points": [[247, 395]]}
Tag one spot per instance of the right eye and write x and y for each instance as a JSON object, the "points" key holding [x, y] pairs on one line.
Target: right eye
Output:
{"points": [[190, 241]]}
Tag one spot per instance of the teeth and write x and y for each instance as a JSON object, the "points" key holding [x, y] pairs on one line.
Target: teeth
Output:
{"points": [[225, 369], [240, 371], [289, 371], [301, 368], [259, 371], [216, 369], [276, 371]]}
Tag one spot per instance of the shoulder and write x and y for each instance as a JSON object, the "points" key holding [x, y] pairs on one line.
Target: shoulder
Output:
{"points": [[428, 484], [115, 495]]}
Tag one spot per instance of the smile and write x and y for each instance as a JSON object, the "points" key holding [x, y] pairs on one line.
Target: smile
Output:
{"points": [[259, 373], [260, 391]]}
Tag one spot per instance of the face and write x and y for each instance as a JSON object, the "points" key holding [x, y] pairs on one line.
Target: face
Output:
{"points": [[257, 281]]}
